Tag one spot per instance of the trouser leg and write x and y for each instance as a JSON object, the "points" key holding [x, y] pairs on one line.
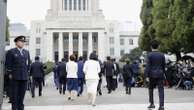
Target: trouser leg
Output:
{"points": [[22, 91], [161, 92]]}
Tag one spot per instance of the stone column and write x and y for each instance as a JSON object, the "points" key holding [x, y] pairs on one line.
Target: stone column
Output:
{"points": [[90, 43], [70, 43], [61, 49], [102, 45], [80, 47], [50, 45]]}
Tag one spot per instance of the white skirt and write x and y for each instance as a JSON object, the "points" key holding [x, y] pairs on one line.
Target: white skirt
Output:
{"points": [[92, 85]]}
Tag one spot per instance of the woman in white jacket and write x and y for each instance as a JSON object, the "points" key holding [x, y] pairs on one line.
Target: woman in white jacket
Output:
{"points": [[92, 70]]}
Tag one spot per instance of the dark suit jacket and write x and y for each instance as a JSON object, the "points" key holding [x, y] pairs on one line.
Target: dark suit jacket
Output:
{"points": [[109, 68], [155, 67], [61, 70], [37, 70], [18, 65], [127, 71]]}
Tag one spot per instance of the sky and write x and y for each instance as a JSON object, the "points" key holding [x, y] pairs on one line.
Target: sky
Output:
{"points": [[24, 11]]}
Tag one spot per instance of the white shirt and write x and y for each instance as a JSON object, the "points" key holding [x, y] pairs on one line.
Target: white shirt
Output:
{"points": [[72, 69], [92, 69]]}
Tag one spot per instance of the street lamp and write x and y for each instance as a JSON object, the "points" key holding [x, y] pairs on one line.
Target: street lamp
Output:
{"points": [[3, 15]]}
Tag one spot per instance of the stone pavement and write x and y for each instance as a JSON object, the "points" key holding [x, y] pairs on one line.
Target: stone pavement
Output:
{"points": [[170, 106], [118, 100]]}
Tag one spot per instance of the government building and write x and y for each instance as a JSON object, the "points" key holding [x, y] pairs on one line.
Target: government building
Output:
{"points": [[79, 27]]}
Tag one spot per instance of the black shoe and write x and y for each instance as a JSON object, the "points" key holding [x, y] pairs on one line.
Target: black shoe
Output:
{"points": [[161, 108], [69, 98], [100, 93], [33, 96], [151, 106], [109, 92], [40, 94]]}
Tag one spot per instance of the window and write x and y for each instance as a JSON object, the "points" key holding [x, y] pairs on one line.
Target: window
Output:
{"points": [[130, 41], [122, 42], [111, 40], [38, 40], [70, 4], [75, 4], [112, 51], [84, 4], [79, 4], [122, 52], [65, 4], [37, 52]]}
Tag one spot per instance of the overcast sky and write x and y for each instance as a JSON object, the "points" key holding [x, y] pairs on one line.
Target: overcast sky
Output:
{"points": [[24, 11]]}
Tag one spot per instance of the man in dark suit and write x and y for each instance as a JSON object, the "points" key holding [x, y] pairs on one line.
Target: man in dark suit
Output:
{"points": [[37, 75], [62, 74], [155, 70], [116, 73], [109, 73], [17, 65], [127, 76]]}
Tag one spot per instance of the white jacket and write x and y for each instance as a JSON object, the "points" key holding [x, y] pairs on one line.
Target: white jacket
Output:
{"points": [[91, 69]]}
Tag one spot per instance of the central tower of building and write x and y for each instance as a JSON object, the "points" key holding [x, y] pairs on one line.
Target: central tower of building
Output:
{"points": [[70, 27]]}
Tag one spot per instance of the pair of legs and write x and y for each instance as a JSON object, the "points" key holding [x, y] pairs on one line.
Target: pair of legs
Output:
{"points": [[18, 93], [153, 83], [72, 86], [127, 82], [110, 82], [92, 98], [99, 86], [92, 85], [80, 86], [37, 82], [62, 85]]}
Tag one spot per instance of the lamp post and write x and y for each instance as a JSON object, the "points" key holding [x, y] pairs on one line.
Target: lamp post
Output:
{"points": [[3, 16]]}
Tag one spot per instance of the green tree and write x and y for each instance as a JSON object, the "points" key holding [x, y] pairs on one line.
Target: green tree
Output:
{"points": [[147, 33], [172, 25]]}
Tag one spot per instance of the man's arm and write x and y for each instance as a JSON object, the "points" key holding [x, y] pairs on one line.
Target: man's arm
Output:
{"points": [[147, 69], [9, 63]]}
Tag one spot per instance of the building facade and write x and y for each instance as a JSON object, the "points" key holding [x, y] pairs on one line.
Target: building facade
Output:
{"points": [[76, 27]]}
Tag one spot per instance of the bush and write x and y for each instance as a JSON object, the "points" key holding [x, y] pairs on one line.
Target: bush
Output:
{"points": [[48, 67]]}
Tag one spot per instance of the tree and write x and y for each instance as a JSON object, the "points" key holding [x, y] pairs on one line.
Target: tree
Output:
{"points": [[147, 33], [172, 25], [133, 55]]}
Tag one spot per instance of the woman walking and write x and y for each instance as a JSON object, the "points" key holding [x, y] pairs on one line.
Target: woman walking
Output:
{"points": [[91, 70], [72, 81]]}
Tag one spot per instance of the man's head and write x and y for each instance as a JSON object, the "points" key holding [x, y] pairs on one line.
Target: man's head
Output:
{"points": [[20, 41], [37, 58], [155, 44]]}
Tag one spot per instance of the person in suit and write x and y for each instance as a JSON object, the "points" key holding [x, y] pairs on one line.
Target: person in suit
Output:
{"points": [[55, 75], [116, 73], [109, 73], [18, 65], [81, 76], [62, 74], [37, 75], [155, 70], [127, 76]]}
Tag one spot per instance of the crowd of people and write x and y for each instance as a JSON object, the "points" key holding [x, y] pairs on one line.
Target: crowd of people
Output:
{"points": [[72, 74]]}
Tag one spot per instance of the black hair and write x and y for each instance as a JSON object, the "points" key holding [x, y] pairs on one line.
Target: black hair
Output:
{"points": [[37, 58], [155, 44], [93, 56]]}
